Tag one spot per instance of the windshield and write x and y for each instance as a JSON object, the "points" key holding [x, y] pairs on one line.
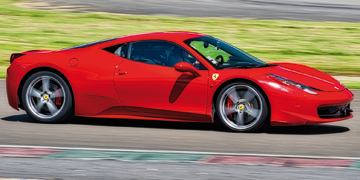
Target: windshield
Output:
{"points": [[222, 55]]}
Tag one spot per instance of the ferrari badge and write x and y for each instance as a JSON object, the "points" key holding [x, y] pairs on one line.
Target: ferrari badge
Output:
{"points": [[215, 76]]}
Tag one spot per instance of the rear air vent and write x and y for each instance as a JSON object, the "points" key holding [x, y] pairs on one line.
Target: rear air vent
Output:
{"points": [[15, 56]]}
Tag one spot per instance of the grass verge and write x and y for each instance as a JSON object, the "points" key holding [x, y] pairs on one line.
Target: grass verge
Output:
{"points": [[3, 71], [332, 47], [351, 84]]}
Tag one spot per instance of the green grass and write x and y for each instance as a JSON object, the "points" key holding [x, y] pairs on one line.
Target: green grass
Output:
{"points": [[3, 71], [333, 47], [351, 84]]}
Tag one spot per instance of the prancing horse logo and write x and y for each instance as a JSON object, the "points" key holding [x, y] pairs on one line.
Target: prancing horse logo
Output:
{"points": [[215, 76]]}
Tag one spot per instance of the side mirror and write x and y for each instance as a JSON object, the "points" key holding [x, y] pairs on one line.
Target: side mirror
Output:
{"points": [[206, 44], [186, 67]]}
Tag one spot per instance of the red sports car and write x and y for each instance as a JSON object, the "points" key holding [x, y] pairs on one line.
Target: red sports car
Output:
{"points": [[175, 76]]}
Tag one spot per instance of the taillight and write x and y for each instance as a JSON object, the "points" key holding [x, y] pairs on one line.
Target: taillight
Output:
{"points": [[15, 56]]}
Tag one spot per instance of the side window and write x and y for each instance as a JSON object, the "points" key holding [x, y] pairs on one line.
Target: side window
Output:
{"points": [[119, 50], [161, 53], [151, 52], [122, 51]]}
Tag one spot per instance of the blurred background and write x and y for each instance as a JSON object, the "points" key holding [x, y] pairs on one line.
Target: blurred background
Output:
{"points": [[323, 34]]}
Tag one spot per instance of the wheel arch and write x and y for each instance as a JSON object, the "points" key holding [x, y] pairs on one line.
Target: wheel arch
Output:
{"points": [[38, 69], [216, 94]]}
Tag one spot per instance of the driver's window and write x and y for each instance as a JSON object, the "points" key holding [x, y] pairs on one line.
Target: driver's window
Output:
{"points": [[210, 51], [161, 53]]}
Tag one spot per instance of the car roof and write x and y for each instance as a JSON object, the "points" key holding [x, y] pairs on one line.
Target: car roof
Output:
{"points": [[175, 36], [181, 35]]}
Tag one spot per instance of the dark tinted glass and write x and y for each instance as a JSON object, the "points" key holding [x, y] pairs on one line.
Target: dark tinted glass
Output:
{"points": [[161, 53]]}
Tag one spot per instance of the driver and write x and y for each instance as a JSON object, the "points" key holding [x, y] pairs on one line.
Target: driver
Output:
{"points": [[176, 56]]}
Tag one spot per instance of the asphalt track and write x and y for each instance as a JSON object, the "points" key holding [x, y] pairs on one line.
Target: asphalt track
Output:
{"points": [[50, 169], [334, 139], [305, 10]]}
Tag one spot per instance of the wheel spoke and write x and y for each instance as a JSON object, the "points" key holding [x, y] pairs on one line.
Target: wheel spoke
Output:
{"points": [[231, 111], [53, 87], [35, 93], [249, 96], [233, 95], [52, 108], [46, 83], [252, 111], [39, 106], [239, 118]]}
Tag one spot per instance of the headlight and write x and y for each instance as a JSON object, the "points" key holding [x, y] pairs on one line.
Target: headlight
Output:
{"points": [[298, 85]]}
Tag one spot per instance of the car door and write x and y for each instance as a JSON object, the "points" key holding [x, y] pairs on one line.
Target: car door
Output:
{"points": [[147, 82]]}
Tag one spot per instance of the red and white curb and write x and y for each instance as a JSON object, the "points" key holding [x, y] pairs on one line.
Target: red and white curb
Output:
{"points": [[180, 156]]}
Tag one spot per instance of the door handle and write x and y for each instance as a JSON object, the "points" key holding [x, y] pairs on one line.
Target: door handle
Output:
{"points": [[121, 72]]}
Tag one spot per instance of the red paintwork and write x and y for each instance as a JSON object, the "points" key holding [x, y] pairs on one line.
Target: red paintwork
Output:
{"points": [[105, 85]]}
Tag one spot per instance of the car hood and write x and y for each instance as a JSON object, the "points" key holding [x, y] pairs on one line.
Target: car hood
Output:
{"points": [[307, 76]]}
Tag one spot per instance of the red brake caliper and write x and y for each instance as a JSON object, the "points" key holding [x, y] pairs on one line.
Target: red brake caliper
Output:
{"points": [[229, 104], [58, 100]]}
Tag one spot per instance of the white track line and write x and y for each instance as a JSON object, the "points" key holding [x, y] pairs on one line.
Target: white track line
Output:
{"points": [[182, 152]]}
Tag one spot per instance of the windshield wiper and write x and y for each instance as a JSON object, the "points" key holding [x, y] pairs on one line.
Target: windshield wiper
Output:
{"points": [[252, 66], [241, 67], [245, 67], [264, 65]]}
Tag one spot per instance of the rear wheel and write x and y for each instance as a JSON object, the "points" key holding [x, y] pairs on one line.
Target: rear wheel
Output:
{"points": [[47, 98], [241, 107]]}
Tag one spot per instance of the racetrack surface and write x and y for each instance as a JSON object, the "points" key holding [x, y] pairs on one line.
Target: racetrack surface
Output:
{"points": [[305, 10], [49, 169], [333, 139]]}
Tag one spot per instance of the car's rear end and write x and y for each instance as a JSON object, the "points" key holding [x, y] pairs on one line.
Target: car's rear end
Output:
{"points": [[14, 75]]}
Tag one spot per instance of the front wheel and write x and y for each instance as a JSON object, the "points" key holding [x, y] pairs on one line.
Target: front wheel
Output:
{"points": [[47, 98], [241, 107]]}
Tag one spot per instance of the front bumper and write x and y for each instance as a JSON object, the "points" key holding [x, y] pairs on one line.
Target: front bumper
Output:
{"points": [[291, 106]]}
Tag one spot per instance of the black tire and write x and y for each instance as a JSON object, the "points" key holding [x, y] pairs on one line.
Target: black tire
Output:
{"points": [[47, 98], [241, 107]]}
